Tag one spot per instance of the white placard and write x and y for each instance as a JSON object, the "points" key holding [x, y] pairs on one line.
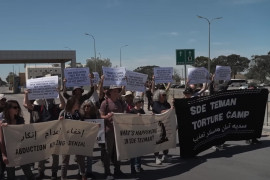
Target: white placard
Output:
{"points": [[101, 132], [163, 74], [136, 81], [42, 88], [138, 135], [198, 75], [34, 142], [223, 73], [114, 76], [77, 77]]}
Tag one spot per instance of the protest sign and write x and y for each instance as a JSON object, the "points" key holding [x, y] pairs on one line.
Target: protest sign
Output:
{"points": [[198, 75], [42, 88], [225, 116], [96, 78], [163, 74], [223, 73], [101, 132], [77, 77], [137, 135], [136, 81], [29, 143], [114, 76]]}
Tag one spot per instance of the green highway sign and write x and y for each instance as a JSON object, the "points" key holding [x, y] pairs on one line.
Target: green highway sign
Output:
{"points": [[185, 56]]}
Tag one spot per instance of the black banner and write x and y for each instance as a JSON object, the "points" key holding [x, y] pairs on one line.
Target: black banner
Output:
{"points": [[211, 120]]}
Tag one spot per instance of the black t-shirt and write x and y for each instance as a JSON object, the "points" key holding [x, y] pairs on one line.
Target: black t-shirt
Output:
{"points": [[136, 111], [75, 116], [158, 107]]}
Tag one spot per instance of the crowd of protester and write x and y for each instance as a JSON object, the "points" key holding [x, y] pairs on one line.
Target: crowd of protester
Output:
{"points": [[79, 106]]}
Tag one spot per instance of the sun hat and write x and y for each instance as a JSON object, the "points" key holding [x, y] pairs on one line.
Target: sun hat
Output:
{"points": [[77, 87], [128, 93]]}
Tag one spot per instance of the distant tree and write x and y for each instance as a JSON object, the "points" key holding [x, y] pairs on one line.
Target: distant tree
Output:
{"points": [[10, 77], [98, 63], [236, 62], [176, 75], [201, 61], [260, 70], [149, 70]]}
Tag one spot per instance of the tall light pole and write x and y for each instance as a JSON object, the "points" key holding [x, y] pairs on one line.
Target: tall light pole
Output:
{"points": [[94, 49], [209, 23], [121, 54]]}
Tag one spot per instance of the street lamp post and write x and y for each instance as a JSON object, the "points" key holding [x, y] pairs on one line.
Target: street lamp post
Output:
{"points": [[94, 49], [209, 23], [121, 55]]}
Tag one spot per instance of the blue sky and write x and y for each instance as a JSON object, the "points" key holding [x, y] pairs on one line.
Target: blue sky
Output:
{"points": [[152, 29]]}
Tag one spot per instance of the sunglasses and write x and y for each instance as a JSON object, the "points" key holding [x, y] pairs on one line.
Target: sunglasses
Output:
{"points": [[15, 107], [164, 94], [87, 106]]}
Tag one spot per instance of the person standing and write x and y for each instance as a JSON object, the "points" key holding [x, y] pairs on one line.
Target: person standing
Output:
{"points": [[160, 106], [71, 112], [149, 95], [3, 100], [129, 101], [13, 116], [135, 163], [113, 104], [46, 110], [78, 91], [89, 111]]}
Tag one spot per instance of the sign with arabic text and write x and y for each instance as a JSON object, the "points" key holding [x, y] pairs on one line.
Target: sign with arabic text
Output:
{"points": [[225, 116], [29, 143]]}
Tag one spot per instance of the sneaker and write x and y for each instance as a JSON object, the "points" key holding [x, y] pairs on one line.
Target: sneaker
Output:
{"points": [[40, 175], [255, 141], [166, 158], [109, 177], [54, 176], [139, 169], [248, 142], [32, 168], [158, 161]]}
